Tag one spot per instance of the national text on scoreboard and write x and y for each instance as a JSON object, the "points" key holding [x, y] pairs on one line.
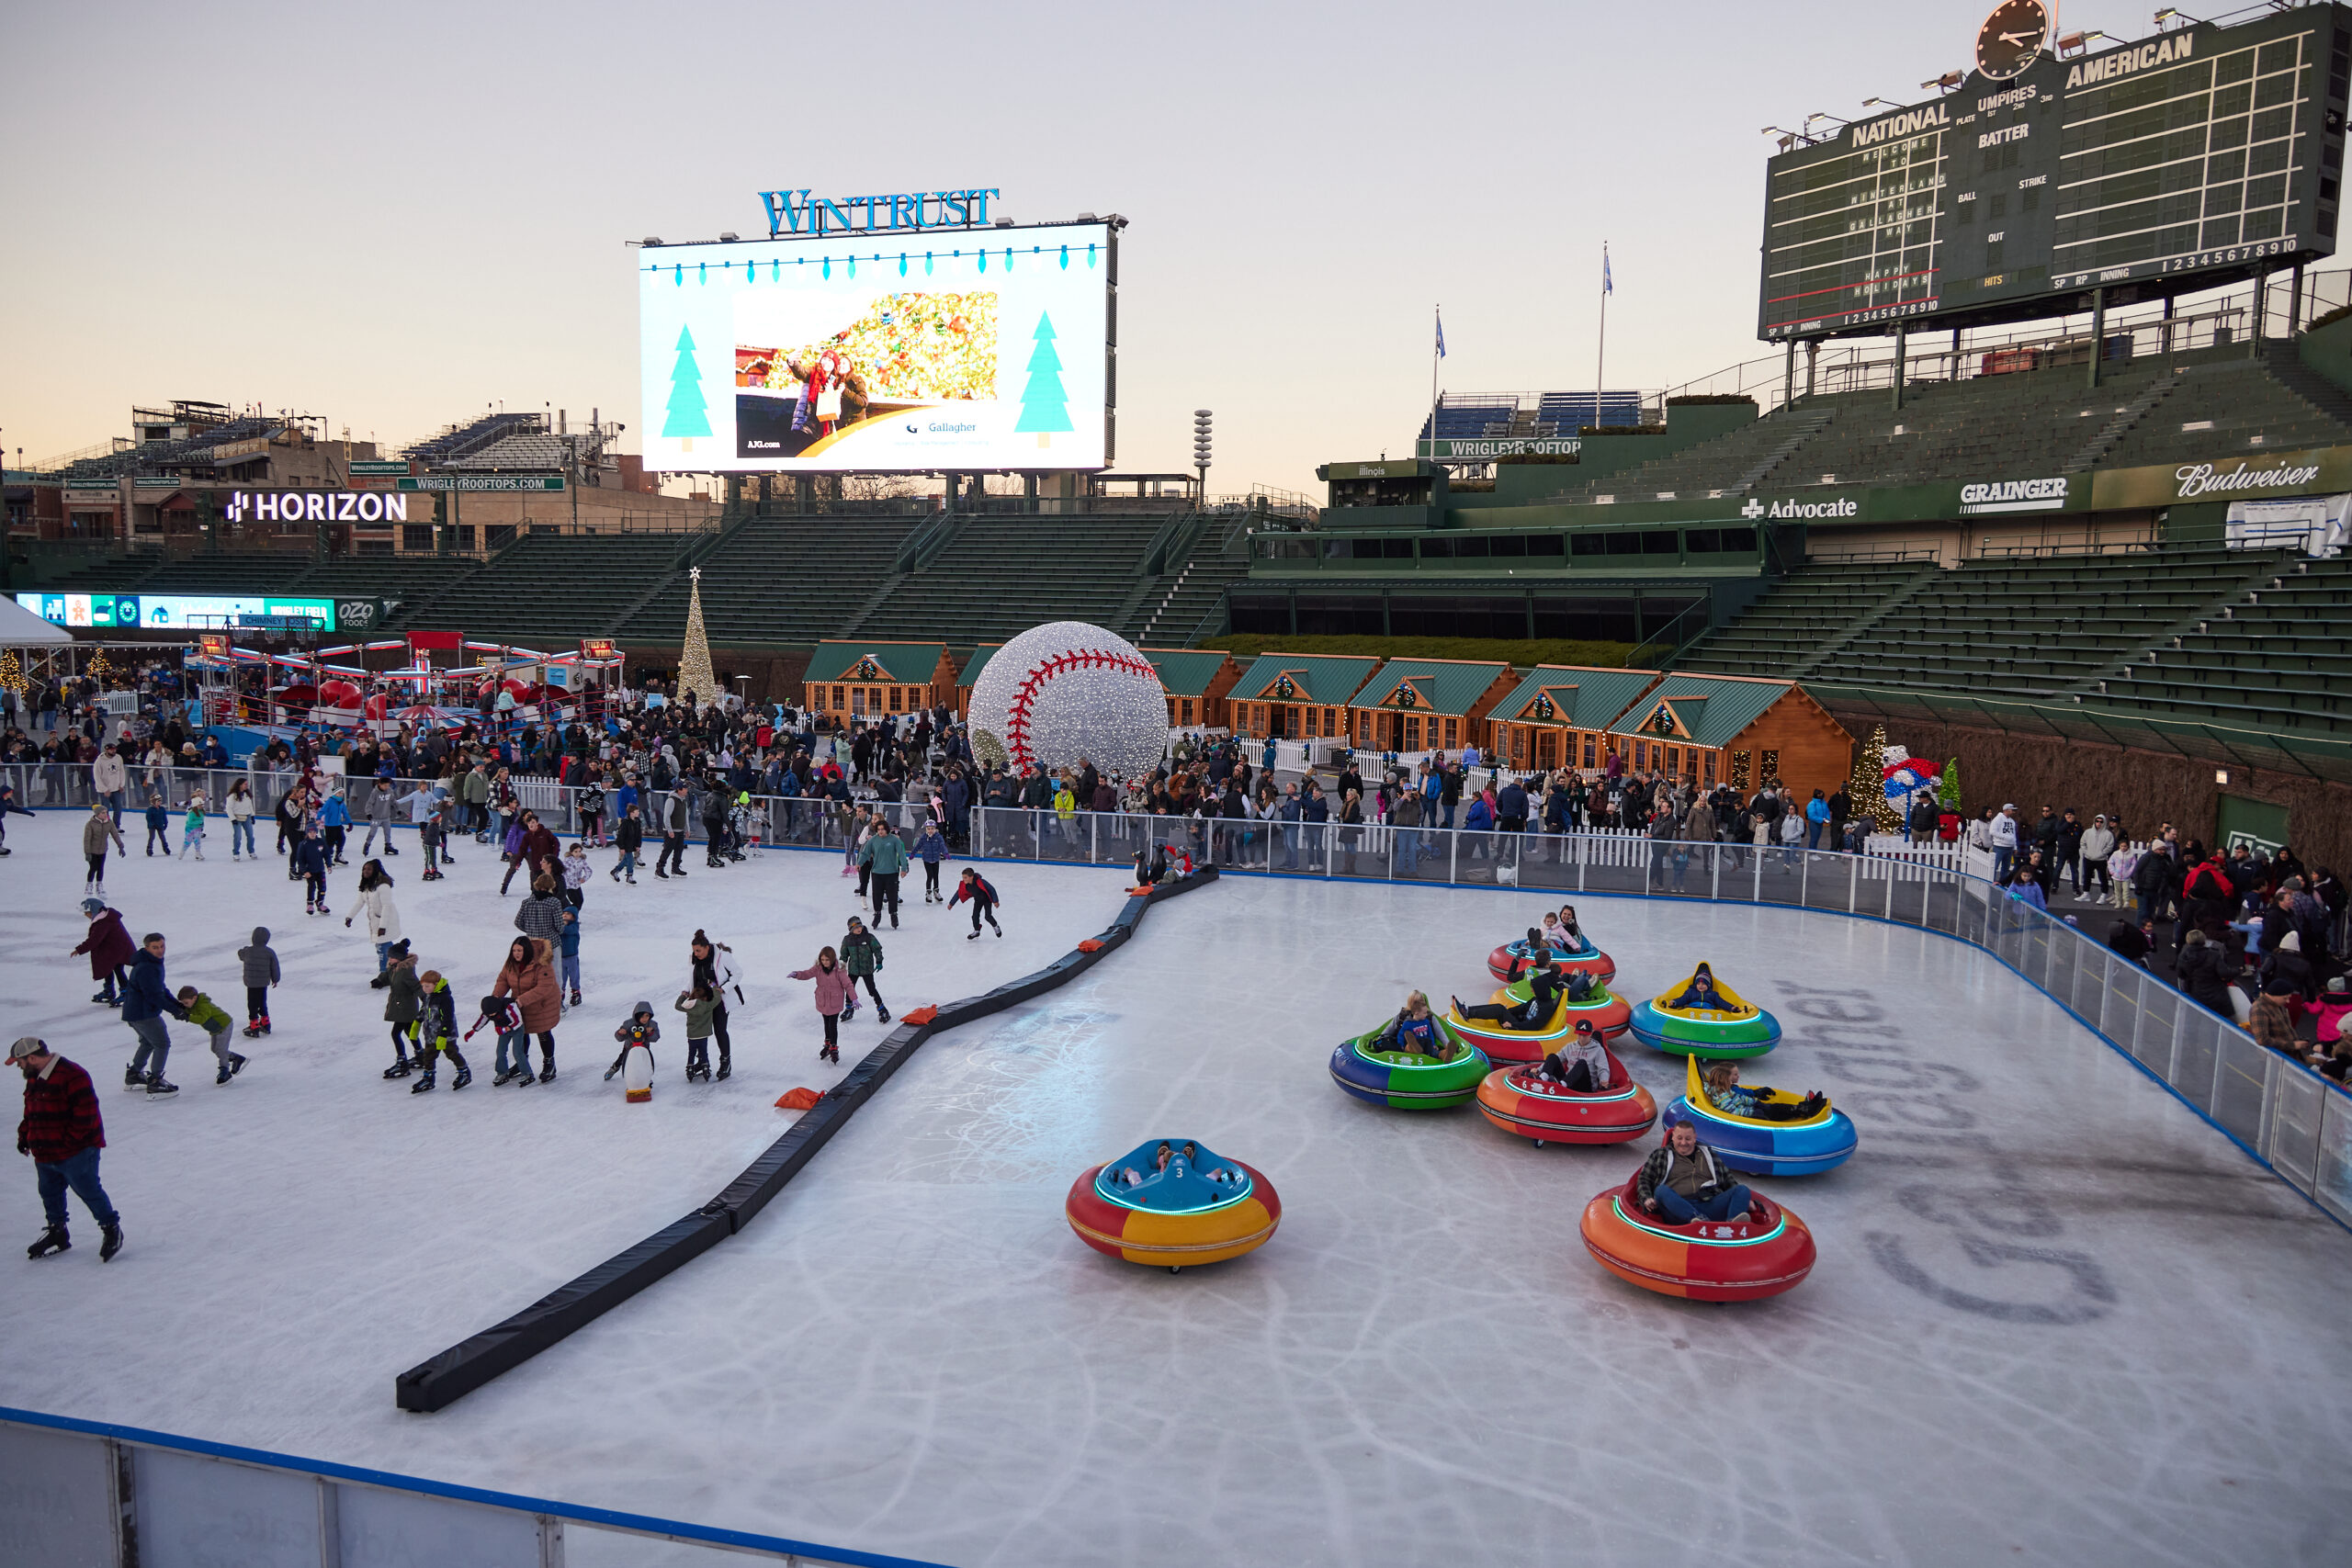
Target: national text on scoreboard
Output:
{"points": [[2199, 157]]}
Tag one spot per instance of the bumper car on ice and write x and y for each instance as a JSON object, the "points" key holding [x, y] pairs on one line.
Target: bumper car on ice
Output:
{"points": [[1172, 1203], [1607, 1012], [1764, 1147], [1523, 1101], [1509, 961], [1698, 1017], [1706, 1260], [1408, 1081]]}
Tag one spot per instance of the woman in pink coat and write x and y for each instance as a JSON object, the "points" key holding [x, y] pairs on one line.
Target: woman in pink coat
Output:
{"points": [[833, 991]]}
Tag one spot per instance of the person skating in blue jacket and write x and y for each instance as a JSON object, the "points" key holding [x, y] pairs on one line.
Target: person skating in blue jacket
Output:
{"points": [[146, 1001], [931, 848]]}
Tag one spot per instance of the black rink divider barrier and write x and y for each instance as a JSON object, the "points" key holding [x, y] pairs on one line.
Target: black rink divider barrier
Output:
{"points": [[464, 1367]]}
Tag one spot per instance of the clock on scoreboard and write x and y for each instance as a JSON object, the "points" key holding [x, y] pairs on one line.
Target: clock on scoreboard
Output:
{"points": [[2194, 158]]}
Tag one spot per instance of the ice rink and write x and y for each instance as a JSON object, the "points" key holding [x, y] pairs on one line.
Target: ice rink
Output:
{"points": [[2056, 1317]]}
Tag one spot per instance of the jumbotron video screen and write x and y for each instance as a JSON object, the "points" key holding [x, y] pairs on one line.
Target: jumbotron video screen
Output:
{"points": [[960, 349], [2199, 156]]}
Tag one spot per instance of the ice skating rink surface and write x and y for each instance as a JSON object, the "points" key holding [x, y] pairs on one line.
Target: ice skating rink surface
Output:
{"points": [[2057, 1317]]}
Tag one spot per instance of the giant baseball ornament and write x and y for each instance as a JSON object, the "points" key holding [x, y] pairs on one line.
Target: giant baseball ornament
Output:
{"points": [[1066, 690]]}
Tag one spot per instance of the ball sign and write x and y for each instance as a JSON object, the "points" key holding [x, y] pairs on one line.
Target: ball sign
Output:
{"points": [[1068, 691]]}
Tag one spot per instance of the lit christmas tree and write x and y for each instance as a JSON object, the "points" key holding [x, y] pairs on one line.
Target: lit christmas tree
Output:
{"points": [[695, 677], [1045, 406], [1866, 787]]}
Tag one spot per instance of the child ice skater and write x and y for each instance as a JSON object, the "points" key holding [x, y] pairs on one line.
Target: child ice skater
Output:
{"points": [[310, 860], [159, 825], [862, 955], [260, 961], [700, 1006], [641, 1030], [833, 995], [505, 1020], [567, 945], [192, 830], [975, 887], [629, 834], [403, 1004], [214, 1020], [931, 848], [437, 1033]]}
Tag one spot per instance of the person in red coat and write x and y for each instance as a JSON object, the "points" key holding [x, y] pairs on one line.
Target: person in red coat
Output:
{"points": [[63, 1133], [109, 947]]}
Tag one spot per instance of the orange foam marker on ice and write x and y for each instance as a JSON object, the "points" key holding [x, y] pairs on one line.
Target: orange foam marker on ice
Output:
{"points": [[920, 1016], [1091, 944], [798, 1100]]}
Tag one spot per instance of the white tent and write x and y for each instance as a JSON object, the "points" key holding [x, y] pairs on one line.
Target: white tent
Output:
{"points": [[19, 628]]}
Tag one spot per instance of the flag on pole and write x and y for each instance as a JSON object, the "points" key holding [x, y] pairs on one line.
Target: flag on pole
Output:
{"points": [[1441, 335], [1606, 288]]}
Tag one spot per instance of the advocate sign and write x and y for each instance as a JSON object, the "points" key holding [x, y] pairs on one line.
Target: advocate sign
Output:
{"points": [[2262, 476]]}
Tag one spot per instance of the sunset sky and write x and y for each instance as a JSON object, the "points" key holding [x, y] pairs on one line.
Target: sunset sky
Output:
{"points": [[395, 216]]}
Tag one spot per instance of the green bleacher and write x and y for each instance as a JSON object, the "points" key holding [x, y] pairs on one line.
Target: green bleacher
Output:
{"points": [[549, 589], [1807, 614], [778, 579], [2282, 655], [1000, 575]]}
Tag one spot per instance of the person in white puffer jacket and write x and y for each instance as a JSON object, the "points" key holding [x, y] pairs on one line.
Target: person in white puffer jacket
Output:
{"points": [[383, 917], [2097, 845]]}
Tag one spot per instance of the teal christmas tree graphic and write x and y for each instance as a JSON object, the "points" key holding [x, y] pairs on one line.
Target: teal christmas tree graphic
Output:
{"points": [[689, 416], [1044, 404]]}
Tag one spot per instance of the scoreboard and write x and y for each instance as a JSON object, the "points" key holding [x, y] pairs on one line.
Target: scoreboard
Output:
{"points": [[2198, 157]]}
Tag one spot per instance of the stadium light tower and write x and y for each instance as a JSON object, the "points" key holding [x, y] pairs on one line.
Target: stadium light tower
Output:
{"points": [[2171, 14], [1946, 82], [1201, 418]]}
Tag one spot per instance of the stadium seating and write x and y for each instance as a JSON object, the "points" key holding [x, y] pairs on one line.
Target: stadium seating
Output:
{"points": [[778, 579], [549, 589], [1741, 459], [462, 440], [2032, 629], [2282, 655], [533, 450], [999, 576], [1178, 602]]}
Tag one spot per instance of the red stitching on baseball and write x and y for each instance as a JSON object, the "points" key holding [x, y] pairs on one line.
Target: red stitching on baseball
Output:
{"points": [[1016, 727]]}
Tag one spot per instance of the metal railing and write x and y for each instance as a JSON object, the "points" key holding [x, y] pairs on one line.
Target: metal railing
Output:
{"points": [[89, 1492], [2288, 1117]]}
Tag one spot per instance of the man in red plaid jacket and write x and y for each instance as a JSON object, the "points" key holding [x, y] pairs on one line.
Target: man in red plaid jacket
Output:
{"points": [[63, 1133]]}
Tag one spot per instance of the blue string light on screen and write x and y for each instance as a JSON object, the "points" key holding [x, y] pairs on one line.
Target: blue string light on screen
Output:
{"points": [[849, 263]]}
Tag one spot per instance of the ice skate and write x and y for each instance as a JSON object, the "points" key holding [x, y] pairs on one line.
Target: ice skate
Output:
{"points": [[131, 1077], [575, 998], [109, 1242], [505, 1075], [222, 1076], [423, 1085], [236, 1064], [547, 1074], [399, 1069], [251, 1032], [53, 1239], [156, 1088], [464, 1076], [881, 1013]]}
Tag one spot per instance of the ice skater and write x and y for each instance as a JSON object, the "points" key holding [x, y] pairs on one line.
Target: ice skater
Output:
{"points": [[261, 971], [241, 821], [931, 848], [309, 863], [334, 825], [159, 826], [62, 1131], [885, 855], [833, 994], [976, 888], [714, 971], [192, 828], [528, 975], [638, 1032], [629, 834], [383, 917], [214, 1020], [436, 1033], [698, 1005], [505, 1020], [144, 1007], [568, 950], [403, 1005], [100, 828], [862, 955], [109, 947]]}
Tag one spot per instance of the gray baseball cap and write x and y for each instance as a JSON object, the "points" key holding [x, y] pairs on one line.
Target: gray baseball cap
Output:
{"points": [[28, 1045]]}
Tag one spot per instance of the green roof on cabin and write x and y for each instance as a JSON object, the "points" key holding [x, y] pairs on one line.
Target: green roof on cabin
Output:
{"points": [[1327, 680], [907, 663], [1713, 709], [1582, 696], [1437, 685]]}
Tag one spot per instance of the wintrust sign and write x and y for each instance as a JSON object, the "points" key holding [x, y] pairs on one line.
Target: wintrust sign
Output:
{"points": [[315, 506]]}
